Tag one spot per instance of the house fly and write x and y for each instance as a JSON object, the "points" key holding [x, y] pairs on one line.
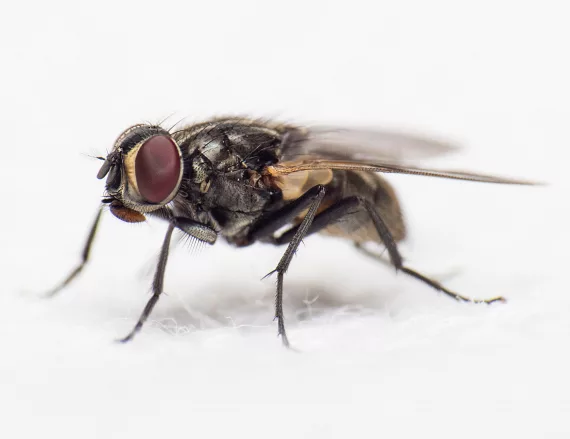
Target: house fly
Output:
{"points": [[246, 180]]}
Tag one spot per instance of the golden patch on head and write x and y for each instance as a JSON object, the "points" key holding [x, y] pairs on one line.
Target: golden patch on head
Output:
{"points": [[126, 214], [130, 166]]}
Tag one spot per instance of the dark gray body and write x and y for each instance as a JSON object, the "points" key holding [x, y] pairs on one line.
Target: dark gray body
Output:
{"points": [[225, 185]]}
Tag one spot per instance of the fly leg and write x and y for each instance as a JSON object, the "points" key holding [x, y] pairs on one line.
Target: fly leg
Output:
{"points": [[157, 284], [267, 226], [196, 230], [350, 205], [84, 256]]}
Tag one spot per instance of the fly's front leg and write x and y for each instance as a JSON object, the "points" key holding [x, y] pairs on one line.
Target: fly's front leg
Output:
{"points": [[267, 226], [199, 231], [84, 256], [157, 284]]}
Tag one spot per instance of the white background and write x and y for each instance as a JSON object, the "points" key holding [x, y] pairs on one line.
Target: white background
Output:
{"points": [[379, 355]]}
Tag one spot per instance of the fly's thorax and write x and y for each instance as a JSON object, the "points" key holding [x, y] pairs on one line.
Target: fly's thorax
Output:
{"points": [[144, 170], [199, 173]]}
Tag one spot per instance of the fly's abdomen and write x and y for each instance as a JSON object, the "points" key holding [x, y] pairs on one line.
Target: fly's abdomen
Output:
{"points": [[358, 226]]}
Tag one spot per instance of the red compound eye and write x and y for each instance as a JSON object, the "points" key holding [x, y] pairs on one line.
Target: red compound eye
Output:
{"points": [[157, 168]]}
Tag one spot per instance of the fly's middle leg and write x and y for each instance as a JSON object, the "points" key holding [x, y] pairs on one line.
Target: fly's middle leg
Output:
{"points": [[268, 226]]}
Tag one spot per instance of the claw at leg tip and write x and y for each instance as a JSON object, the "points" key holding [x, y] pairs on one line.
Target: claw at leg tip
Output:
{"points": [[125, 339]]}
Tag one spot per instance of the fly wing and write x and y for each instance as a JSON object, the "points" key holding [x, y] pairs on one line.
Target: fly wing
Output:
{"points": [[362, 144], [320, 148], [309, 164]]}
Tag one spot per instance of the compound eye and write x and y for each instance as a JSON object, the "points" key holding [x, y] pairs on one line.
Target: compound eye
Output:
{"points": [[157, 169]]}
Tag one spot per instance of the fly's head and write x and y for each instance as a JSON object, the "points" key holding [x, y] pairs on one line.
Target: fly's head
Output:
{"points": [[144, 171]]}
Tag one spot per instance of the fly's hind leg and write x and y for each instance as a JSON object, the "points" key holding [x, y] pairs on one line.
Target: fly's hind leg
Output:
{"points": [[431, 282], [350, 205]]}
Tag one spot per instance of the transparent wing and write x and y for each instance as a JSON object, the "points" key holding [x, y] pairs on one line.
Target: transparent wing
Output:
{"points": [[320, 148], [365, 144], [308, 164]]}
